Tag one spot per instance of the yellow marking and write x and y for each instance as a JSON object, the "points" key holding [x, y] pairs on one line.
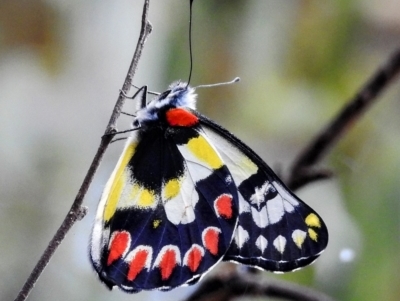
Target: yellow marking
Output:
{"points": [[134, 192], [118, 183], [156, 223], [146, 198], [249, 165], [313, 221], [313, 235], [203, 150], [171, 189]]}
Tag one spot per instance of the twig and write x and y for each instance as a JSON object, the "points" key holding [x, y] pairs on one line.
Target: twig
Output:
{"points": [[77, 211], [219, 288], [301, 171]]}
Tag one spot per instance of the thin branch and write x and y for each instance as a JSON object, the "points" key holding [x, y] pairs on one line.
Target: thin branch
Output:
{"points": [[77, 211], [302, 171], [222, 288]]}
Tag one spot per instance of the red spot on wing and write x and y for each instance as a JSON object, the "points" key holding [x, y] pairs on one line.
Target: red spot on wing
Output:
{"points": [[167, 263], [119, 244], [223, 205], [137, 264], [181, 117], [211, 239], [194, 257]]}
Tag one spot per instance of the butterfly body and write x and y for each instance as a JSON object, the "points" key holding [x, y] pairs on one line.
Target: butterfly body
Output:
{"points": [[186, 194]]}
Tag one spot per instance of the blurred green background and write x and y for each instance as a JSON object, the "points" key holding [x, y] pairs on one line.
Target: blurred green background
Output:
{"points": [[62, 64]]}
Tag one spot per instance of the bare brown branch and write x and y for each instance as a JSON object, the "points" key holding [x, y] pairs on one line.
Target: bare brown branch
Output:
{"points": [[303, 170], [77, 211]]}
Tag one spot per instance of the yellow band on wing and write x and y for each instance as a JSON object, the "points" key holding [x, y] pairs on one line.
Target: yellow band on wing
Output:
{"points": [[171, 189], [118, 183], [203, 150]]}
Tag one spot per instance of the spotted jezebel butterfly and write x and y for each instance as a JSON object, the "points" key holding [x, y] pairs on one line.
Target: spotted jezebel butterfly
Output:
{"points": [[186, 194]]}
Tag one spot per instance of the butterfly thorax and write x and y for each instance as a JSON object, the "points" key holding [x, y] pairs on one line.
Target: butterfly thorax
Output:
{"points": [[170, 108]]}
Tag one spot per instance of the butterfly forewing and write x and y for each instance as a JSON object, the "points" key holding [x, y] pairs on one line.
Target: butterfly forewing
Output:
{"points": [[168, 213], [276, 230]]}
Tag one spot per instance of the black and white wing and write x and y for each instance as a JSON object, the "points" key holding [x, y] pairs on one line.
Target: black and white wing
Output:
{"points": [[276, 231]]}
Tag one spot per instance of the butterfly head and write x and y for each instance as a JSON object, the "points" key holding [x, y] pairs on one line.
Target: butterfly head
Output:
{"points": [[178, 95]]}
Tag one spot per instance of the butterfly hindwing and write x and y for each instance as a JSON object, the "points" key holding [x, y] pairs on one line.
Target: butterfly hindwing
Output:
{"points": [[168, 213], [276, 230]]}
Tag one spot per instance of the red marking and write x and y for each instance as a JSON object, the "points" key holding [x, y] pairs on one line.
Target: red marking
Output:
{"points": [[118, 246], [223, 204], [137, 264], [194, 258], [181, 117], [211, 238], [167, 263]]}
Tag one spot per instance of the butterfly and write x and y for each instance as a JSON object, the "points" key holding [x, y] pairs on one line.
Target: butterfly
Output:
{"points": [[187, 194]]}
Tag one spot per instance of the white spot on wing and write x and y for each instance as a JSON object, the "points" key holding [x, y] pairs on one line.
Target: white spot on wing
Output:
{"points": [[260, 217], [280, 244], [285, 194], [241, 236], [275, 209], [261, 243], [298, 237], [180, 209], [258, 198], [243, 205]]}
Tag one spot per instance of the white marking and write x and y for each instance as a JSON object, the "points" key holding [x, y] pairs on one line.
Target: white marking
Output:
{"points": [[243, 205], [133, 253], [280, 244], [275, 209], [162, 253], [260, 217], [286, 195], [298, 237], [228, 179], [241, 236], [261, 243], [180, 209], [258, 198]]}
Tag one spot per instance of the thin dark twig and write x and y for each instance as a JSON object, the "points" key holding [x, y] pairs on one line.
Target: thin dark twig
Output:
{"points": [[77, 211], [219, 288], [301, 172]]}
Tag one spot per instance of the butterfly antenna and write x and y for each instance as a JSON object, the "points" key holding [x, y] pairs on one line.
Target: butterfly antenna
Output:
{"points": [[190, 44], [235, 80], [148, 92]]}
